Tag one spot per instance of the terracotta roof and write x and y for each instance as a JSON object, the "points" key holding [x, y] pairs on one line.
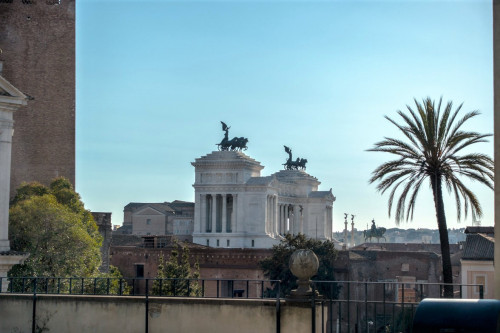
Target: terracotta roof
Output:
{"points": [[126, 240], [480, 230], [159, 206], [178, 203], [478, 247], [405, 247]]}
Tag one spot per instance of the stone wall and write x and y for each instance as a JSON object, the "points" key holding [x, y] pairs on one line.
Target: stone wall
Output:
{"points": [[127, 314], [37, 39], [230, 264]]}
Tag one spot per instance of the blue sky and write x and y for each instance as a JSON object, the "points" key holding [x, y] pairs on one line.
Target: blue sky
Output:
{"points": [[155, 78]]}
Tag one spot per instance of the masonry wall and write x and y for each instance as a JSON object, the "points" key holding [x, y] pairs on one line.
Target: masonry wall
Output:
{"points": [[229, 264], [37, 42], [128, 314]]}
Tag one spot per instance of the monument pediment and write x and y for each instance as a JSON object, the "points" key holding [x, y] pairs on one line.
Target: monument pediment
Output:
{"points": [[149, 211], [10, 94]]}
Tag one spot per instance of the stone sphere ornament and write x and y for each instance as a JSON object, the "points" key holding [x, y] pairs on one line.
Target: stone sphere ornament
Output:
{"points": [[303, 264]]}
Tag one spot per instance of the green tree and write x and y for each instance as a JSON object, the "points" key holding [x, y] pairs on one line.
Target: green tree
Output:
{"points": [[52, 224], [431, 152], [176, 277], [276, 267]]}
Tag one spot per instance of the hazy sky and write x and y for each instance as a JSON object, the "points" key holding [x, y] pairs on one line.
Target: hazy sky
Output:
{"points": [[155, 78]]}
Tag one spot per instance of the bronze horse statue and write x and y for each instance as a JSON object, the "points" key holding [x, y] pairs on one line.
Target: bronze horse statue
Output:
{"points": [[299, 163], [375, 232], [233, 144]]}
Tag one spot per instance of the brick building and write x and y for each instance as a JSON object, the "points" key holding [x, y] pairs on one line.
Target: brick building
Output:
{"points": [[163, 218], [37, 43]]}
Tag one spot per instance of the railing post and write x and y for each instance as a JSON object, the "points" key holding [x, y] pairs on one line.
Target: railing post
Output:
{"points": [[313, 309], [403, 304], [383, 290], [330, 310], [33, 316], [278, 308], [366, 306], [107, 287], [481, 292], [261, 289], [203, 288], [120, 287], [248, 291], [147, 306]]}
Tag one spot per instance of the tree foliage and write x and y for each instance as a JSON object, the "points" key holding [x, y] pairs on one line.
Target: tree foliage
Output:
{"points": [[52, 224], [433, 152], [276, 267], [176, 277]]}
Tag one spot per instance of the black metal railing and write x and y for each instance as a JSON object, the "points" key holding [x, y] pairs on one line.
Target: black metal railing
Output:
{"points": [[377, 306], [216, 288], [345, 306]]}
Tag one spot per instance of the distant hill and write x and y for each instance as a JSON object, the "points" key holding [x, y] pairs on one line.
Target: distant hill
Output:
{"points": [[396, 235]]}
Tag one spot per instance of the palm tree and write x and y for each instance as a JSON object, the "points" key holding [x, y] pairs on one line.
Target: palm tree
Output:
{"points": [[434, 140]]}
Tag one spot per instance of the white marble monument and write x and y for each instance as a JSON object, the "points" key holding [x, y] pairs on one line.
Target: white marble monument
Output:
{"points": [[237, 208], [10, 100]]}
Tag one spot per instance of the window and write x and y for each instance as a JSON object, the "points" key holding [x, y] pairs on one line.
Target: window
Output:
{"points": [[148, 221], [139, 270], [480, 279], [227, 243], [208, 242], [405, 267], [253, 243], [217, 242]]}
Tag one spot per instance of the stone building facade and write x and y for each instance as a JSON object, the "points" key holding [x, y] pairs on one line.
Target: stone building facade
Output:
{"points": [[237, 208], [163, 218], [477, 262], [37, 46]]}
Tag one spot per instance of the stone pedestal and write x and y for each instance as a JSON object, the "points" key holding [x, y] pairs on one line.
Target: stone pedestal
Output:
{"points": [[304, 264], [7, 260]]}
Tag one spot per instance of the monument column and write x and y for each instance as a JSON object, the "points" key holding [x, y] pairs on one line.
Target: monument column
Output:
{"points": [[224, 212], [296, 219], [6, 132], [282, 219], [11, 99], [213, 222], [276, 215]]}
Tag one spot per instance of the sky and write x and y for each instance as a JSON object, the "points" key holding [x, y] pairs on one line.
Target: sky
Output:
{"points": [[155, 78]]}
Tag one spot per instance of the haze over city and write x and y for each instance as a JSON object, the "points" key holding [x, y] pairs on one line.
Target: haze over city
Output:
{"points": [[154, 80]]}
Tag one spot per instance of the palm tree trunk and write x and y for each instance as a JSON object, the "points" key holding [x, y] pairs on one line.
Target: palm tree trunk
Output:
{"points": [[443, 235]]}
